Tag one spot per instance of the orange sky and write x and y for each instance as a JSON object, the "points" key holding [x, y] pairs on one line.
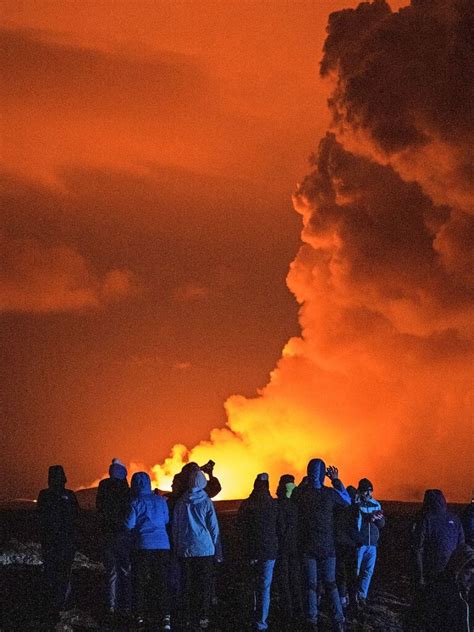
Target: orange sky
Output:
{"points": [[149, 154]]}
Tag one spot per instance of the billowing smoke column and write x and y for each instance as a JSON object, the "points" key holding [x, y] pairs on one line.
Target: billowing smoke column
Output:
{"points": [[380, 380]]}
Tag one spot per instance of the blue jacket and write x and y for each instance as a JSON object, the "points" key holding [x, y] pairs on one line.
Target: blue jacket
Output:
{"points": [[148, 515], [195, 528], [367, 531]]}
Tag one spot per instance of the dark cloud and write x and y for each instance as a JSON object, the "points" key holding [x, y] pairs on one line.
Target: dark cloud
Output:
{"points": [[405, 77]]}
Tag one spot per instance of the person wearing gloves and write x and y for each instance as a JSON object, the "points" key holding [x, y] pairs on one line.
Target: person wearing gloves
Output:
{"points": [[112, 504], [195, 535], [147, 520], [370, 520], [257, 521], [58, 510], [316, 508]]}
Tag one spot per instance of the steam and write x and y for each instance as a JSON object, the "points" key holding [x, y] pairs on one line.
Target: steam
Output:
{"points": [[379, 380]]}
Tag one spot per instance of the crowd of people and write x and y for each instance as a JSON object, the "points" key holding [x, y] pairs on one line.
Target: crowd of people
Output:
{"points": [[315, 543]]}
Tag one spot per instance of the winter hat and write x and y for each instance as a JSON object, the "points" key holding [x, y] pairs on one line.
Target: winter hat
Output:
{"points": [[261, 482], [117, 470], [365, 485], [56, 476], [197, 480], [282, 483]]}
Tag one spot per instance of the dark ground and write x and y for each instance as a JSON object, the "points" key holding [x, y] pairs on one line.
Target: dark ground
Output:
{"points": [[23, 605]]}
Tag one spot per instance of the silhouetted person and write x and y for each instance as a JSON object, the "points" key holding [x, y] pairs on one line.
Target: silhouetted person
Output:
{"points": [[437, 534], [316, 507], [58, 510], [288, 568], [195, 534], [346, 549], [147, 520], [112, 503], [448, 603], [257, 520], [467, 519], [370, 520]]}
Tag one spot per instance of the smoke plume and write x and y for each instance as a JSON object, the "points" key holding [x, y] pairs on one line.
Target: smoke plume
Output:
{"points": [[379, 381]]}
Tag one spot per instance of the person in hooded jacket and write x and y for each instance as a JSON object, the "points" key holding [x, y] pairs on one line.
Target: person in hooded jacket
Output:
{"points": [[195, 535], [288, 568], [112, 504], [58, 510], [448, 603], [316, 509], [257, 522], [147, 520], [370, 520], [346, 548], [213, 486], [437, 534]]}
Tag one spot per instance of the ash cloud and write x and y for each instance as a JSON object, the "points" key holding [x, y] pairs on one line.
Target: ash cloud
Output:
{"points": [[379, 380]]}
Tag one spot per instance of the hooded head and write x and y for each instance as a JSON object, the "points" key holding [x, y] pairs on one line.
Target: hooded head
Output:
{"points": [[140, 484], [434, 501], [461, 566], [285, 480], [197, 480], [56, 476], [352, 491], [261, 483], [117, 470], [186, 472], [365, 488], [316, 473]]}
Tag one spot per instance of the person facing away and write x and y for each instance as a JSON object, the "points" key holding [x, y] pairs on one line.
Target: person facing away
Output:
{"points": [[112, 504], [257, 522], [437, 534], [346, 549], [447, 603], [147, 520], [370, 520], [316, 509], [288, 568], [195, 535], [58, 510], [213, 486]]}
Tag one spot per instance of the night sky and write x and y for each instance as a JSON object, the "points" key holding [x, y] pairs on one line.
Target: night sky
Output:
{"points": [[150, 151]]}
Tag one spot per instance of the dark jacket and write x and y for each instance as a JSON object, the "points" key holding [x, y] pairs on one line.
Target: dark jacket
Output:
{"points": [[316, 507], [148, 516], [112, 503], [57, 510], [468, 523], [445, 604], [287, 527], [257, 521], [437, 534]]}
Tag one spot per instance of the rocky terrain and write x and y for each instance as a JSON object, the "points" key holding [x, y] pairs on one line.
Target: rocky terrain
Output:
{"points": [[22, 601]]}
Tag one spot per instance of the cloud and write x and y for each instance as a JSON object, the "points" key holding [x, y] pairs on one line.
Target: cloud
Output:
{"points": [[378, 381], [405, 82], [41, 278]]}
